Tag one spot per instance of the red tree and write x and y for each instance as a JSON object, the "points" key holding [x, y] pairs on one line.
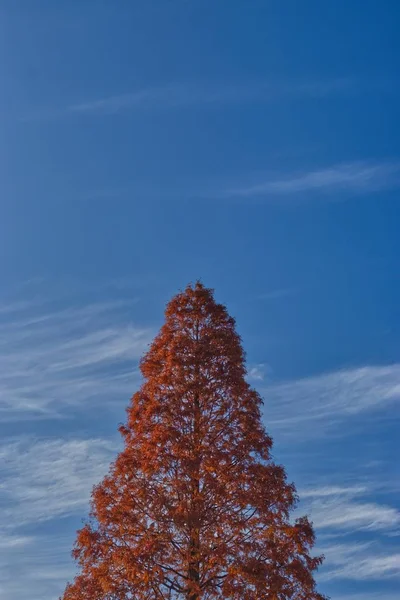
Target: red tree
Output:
{"points": [[194, 507]]}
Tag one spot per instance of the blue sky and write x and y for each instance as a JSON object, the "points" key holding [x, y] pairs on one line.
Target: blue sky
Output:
{"points": [[254, 145]]}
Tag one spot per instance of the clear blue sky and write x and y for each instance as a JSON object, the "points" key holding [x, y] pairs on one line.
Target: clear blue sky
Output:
{"points": [[254, 145]]}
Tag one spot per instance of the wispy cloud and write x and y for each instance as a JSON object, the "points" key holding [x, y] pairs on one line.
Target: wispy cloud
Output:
{"points": [[360, 561], [343, 514], [10, 541], [258, 372], [178, 95], [326, 491], [357, 177], [192, 94], [53, 359], [329, 398], [44, 479], [332, 183], [56, 357], [36, 569], [370, 596], [355, 512], [341, 509]]}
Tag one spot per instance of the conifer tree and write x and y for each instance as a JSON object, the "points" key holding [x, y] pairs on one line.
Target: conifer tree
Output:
{"points": [[194, 508]]}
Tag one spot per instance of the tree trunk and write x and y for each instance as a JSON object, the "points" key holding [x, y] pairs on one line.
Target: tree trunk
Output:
{"points": [[194, 517]]}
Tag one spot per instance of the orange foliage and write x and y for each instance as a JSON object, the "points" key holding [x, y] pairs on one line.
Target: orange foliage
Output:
{"points": [[194, 507]]}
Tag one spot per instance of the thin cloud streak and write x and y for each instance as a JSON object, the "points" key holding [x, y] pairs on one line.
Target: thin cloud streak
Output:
{"points": [[359, 177], [186, 95], [330, 398], [342, 509], [345, 515], [337, 513], [326, 491], [360, 562], [172, 96]]}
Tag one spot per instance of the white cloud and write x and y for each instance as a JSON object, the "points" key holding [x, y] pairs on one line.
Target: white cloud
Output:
{"points": [[360, 561], [339, 509], [340, 514], [329, 398], [65, 358], [257, 372], [323, 492], [9, 542], [355, 177], [52, 359], [44, 479], [38, 570]]}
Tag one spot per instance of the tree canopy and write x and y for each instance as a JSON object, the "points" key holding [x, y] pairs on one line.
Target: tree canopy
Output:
{"points": [[194, 507]]}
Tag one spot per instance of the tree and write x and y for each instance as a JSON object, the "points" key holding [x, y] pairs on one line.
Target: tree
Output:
{"points": [[194, 508]]}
